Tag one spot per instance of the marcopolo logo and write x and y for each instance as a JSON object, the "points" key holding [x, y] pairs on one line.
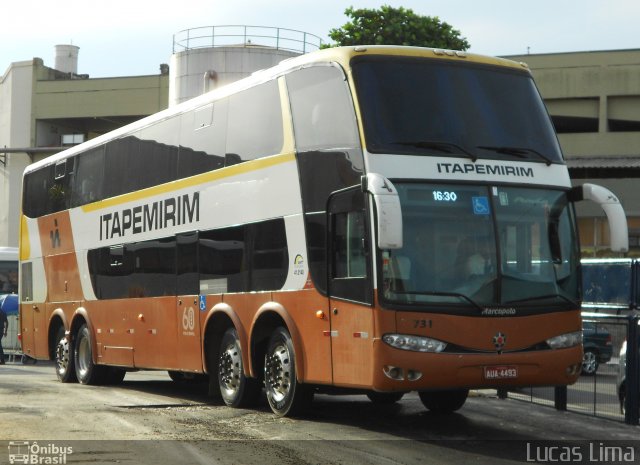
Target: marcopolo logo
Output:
{"points": [[34, 453]]}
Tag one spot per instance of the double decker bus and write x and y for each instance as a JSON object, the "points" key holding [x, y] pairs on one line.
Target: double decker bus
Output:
{"points": [[365, 219]]}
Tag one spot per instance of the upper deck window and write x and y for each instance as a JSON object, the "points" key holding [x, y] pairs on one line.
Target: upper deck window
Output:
{"points": [[420, 106], [322, 109]]}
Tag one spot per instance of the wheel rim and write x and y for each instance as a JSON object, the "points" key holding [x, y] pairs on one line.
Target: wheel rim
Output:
{"points": [[589, 362], [230, 369], [84, 356], [62, 356], [278, 372]]}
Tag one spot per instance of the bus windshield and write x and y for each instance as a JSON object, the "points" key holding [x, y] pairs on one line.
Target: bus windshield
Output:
{"points": [[439, 107], [483, 249]]}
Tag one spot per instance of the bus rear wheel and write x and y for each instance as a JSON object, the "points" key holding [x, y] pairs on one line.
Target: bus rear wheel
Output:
{"points": [[236, 389], [286, 396], [87, 371], [65, 370], [444, 401]]}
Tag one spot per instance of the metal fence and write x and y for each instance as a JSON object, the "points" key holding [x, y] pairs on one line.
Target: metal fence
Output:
{"points": [[599, 394], [245, 36]]}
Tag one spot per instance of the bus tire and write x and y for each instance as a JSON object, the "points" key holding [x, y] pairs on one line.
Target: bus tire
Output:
{"points": [[444, 401], [65, 370], [286, 396], [87, 372], [384, 398], [236, 389]]}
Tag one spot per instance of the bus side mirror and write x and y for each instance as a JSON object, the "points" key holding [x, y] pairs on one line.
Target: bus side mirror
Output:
{"points": [[611, 205], [388, 210]]}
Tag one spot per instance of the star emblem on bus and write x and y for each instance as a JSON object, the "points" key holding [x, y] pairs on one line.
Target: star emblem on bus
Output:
{"points": [[499, 340]]}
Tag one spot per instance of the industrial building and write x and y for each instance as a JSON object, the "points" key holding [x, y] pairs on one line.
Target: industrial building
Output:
{"points": [[46, 109], [594, 101]]}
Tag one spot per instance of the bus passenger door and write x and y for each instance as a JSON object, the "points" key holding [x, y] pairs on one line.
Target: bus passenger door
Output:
{"points": [[187, 303], [350, 290]]}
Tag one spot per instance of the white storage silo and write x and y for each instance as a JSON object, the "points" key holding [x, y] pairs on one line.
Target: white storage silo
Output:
{"points": [[67, 58], [211, 56]]}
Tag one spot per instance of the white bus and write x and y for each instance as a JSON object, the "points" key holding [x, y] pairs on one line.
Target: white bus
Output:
{"points": [[370, 219], [8, 270]]}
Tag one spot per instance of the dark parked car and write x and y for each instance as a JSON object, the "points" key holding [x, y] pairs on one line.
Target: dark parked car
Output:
{"points": [[598, 348]]}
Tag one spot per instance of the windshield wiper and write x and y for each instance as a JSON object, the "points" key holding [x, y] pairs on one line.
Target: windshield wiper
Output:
{"points": [[542, 297], [517, 152], [444, 294], [440, 146]]}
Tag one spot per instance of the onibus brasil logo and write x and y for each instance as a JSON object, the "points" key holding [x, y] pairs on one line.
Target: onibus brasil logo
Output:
{"points": [[34, 453]]}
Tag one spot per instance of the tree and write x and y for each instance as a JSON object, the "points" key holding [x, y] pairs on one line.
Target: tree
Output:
{"points": [[396, 26]]}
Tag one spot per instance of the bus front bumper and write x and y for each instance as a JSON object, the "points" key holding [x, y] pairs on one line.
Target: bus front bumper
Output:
{"points": [[401, 370]]}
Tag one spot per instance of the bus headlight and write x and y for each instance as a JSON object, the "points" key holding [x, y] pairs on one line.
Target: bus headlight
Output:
{"points": [[565, 340], [414, 343]]}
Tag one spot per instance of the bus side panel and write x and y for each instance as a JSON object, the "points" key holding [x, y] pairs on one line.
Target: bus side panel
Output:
{"points": [[315, 331], [40, 322], [154, 326], [60, 262], [188, 333], [137, 332], [32, 307], [27, 315], [63, 279], [352, 335], [114, 331]]}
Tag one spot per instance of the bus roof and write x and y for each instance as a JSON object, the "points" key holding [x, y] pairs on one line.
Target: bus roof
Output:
{"points": [[8, 253], [341, 55]]}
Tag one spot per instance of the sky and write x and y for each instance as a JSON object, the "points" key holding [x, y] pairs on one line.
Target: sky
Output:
{"points": [[133, 37]]}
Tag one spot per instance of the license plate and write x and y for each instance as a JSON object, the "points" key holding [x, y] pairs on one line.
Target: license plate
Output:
{"points": [[501, 372]]}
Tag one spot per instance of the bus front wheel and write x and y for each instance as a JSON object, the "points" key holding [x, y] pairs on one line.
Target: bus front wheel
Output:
{"points": [[444, 401], [286, 396]]}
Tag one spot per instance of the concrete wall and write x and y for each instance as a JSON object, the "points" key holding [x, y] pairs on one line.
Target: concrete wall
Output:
{"points": [[15, 131], [595, 85], [125, 96]]}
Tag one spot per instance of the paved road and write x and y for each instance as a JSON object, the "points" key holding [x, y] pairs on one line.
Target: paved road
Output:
{"points": [[150, 419]]}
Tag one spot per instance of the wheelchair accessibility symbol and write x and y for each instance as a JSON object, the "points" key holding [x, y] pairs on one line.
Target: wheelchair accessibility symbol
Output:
{"points": [[480, 205], [203, 303]]}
